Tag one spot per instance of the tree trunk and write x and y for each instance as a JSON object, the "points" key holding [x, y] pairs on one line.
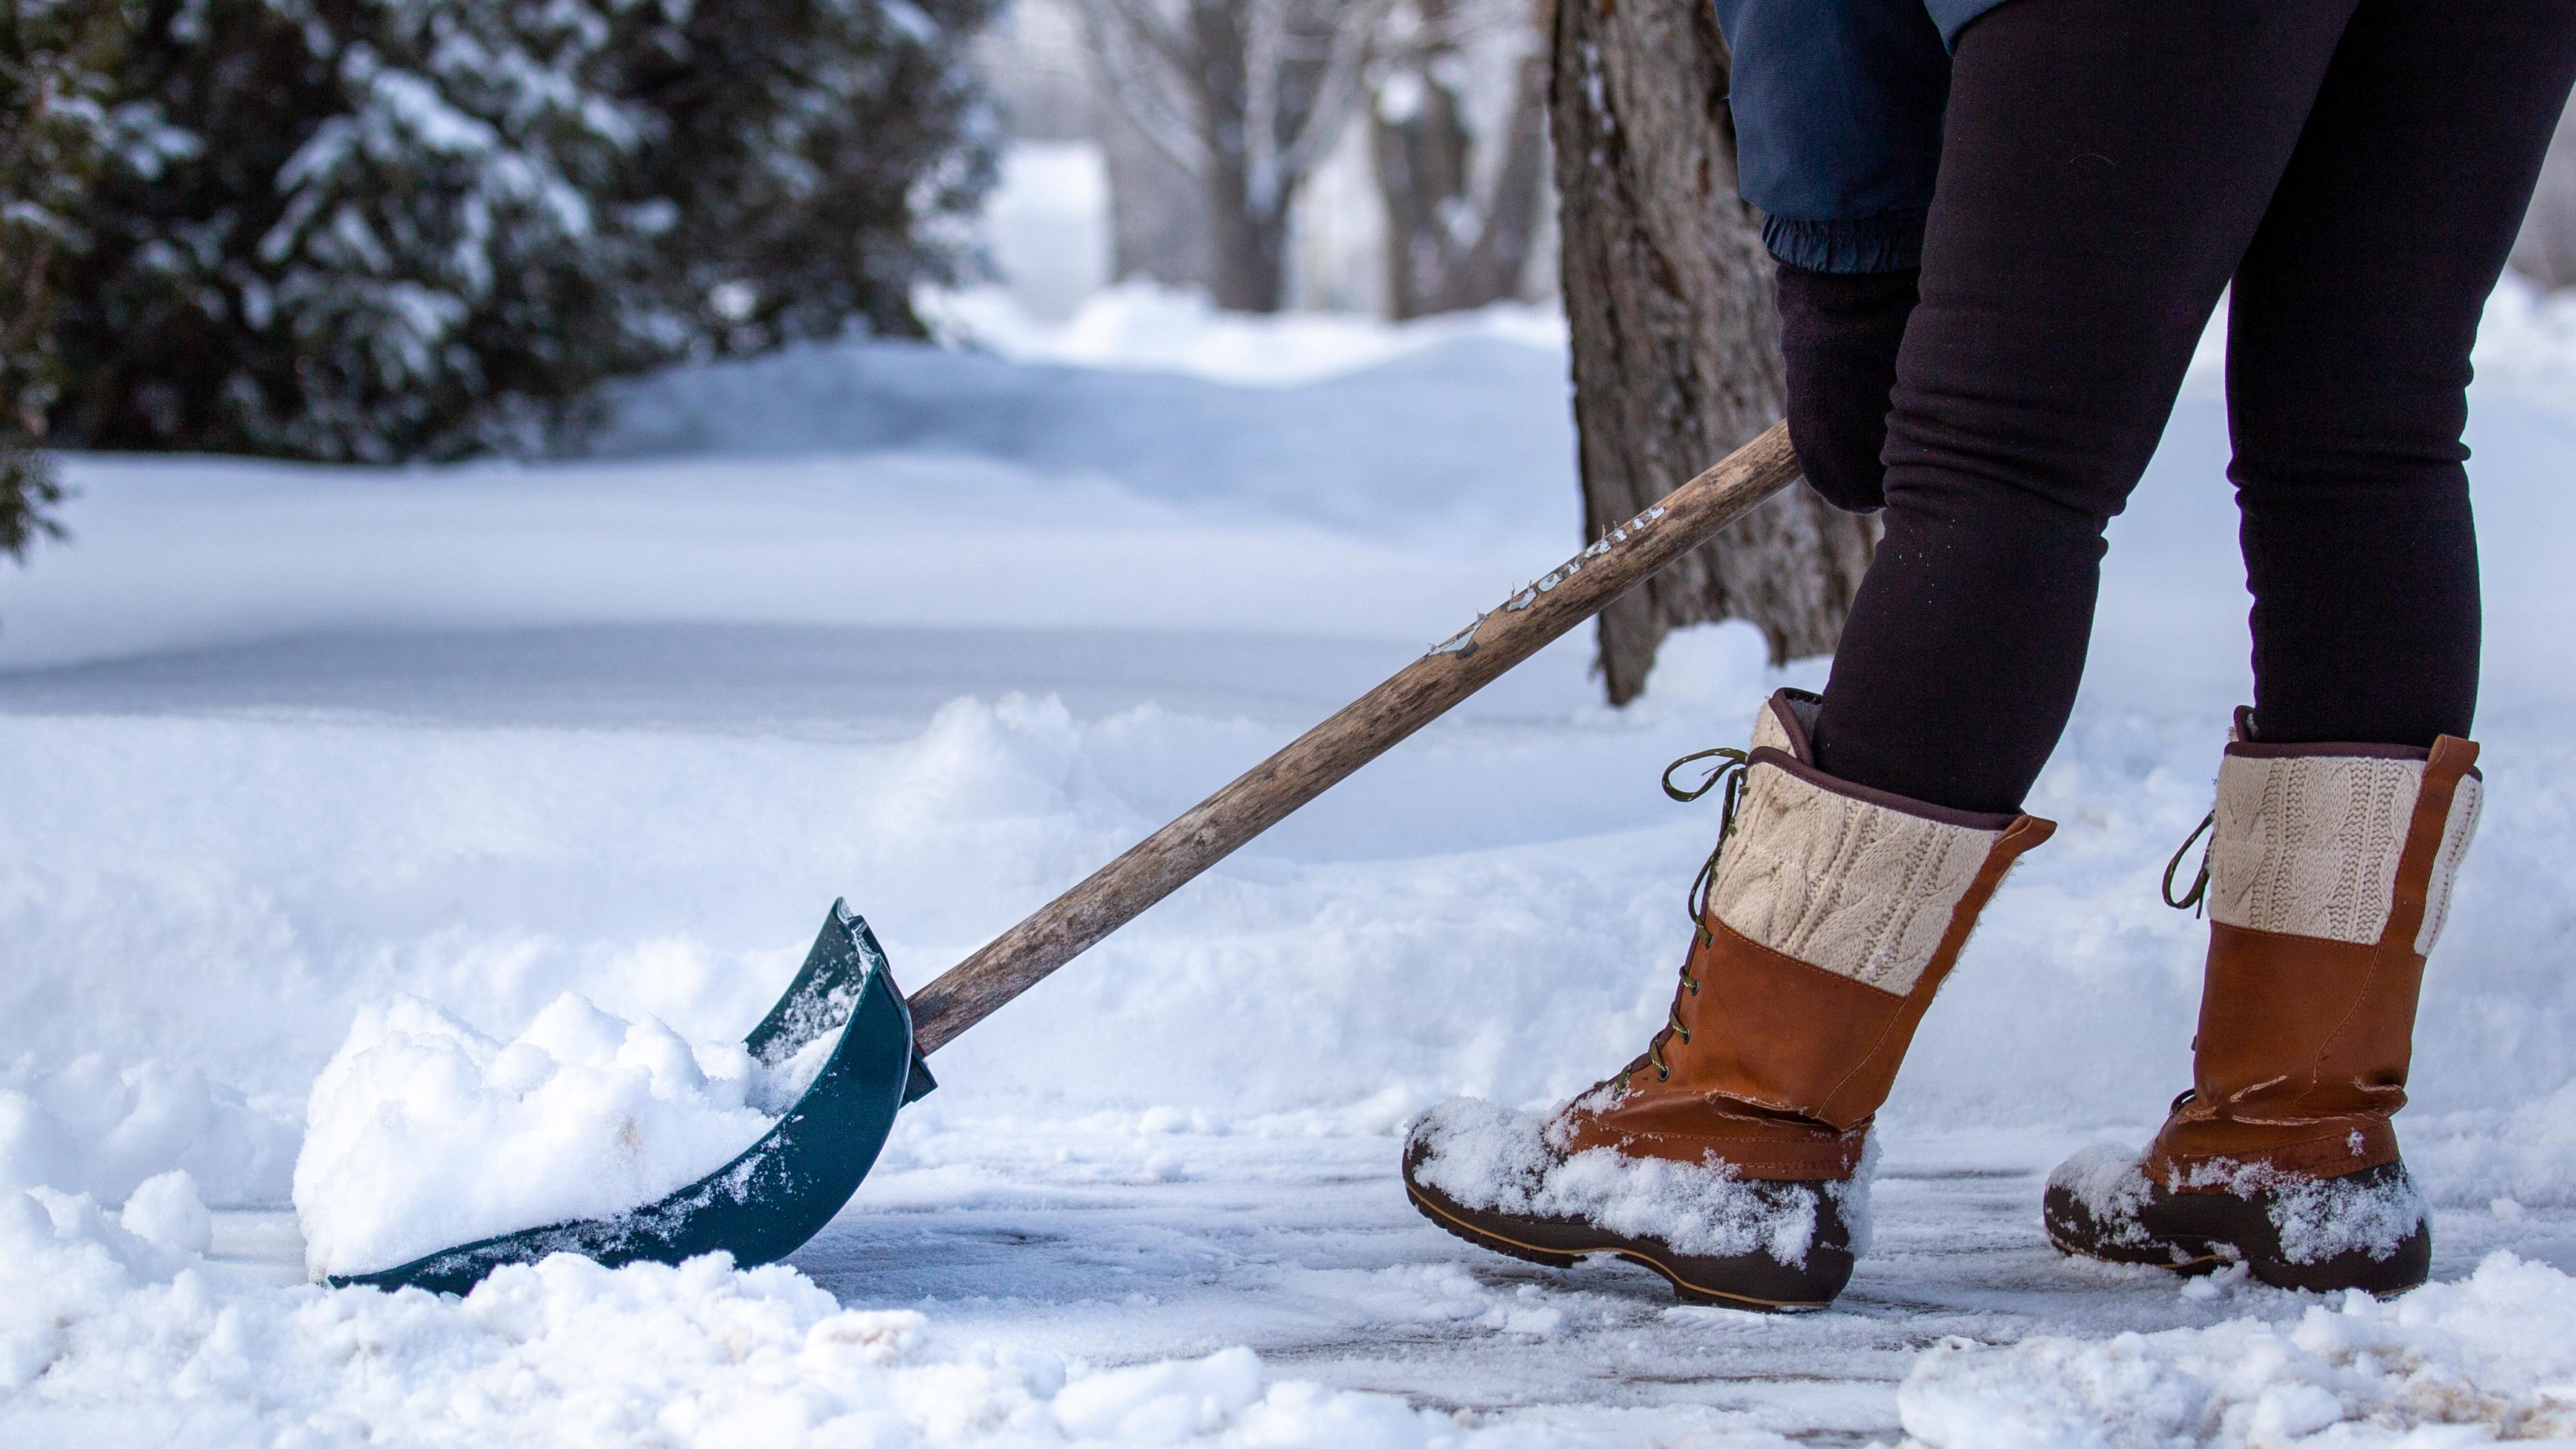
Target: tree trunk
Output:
{"points": [[1447, 248], [1247, 244], [1156, 206], [1675, 337]]}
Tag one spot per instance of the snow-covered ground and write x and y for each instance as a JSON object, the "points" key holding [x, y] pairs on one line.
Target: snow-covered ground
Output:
{"points": [[942, 631]]}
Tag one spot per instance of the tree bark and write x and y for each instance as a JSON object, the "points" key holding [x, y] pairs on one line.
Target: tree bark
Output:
{"points": [[1676, 343]]}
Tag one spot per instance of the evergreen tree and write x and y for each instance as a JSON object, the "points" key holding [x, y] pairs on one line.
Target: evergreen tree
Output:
{"points": [[371, 230], [56, 126], [385, 229], [814, 152]]}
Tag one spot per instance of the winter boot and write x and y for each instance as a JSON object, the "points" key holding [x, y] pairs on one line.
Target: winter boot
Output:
{"points": [[2328, 871], [1728, 1158]]}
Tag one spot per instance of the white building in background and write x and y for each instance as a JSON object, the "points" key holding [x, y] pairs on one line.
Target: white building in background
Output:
{"points": [[1046, 227]]}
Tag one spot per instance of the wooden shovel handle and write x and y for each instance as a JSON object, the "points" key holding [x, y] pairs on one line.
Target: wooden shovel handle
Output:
{"points": [[1368, 727]]}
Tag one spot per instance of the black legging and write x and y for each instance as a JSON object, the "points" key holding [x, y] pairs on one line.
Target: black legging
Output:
{"points": [[2358, 168]]}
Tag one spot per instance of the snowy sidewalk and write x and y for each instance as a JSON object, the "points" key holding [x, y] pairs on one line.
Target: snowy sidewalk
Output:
{"points": [[1117, 1242], [278, 744], [1305, 1250]]}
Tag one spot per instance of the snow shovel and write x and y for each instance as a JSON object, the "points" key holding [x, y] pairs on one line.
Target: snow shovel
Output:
{"points": [[769, 1201]]}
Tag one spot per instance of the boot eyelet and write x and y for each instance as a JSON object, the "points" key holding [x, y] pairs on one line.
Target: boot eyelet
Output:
{"points": [[1663, 1074], [1691, 984]]}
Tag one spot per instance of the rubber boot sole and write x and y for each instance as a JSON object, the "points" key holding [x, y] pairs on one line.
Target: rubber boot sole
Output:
{"points": [[1756, 1281], [2201, 1232]]}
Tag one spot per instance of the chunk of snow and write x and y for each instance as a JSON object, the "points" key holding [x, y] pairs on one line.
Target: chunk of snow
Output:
{"points": [[423, 1133], [2106, 1178], [165, 1211], [1399, 96], [2491, 1357], [93, 1127], [2321, 1218]]}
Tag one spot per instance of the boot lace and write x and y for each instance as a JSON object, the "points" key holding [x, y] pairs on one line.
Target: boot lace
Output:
{"points": [[2195, 899], [1728, 774]]}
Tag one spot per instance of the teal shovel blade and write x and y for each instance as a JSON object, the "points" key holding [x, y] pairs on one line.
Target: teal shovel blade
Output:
{"points": [[766, 1203]]}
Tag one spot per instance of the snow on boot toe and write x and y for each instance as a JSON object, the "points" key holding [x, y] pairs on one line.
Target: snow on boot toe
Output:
{"points": [[2368, 1230], [1493, 1177]]}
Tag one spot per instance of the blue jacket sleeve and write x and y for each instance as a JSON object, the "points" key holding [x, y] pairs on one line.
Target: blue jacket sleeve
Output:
{"points": [[1837, 109]]}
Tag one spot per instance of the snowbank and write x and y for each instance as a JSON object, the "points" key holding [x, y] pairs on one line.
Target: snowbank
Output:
{"points": [[424, 1133], [1495, 911], [106, 1327], [2491, 1357], [1139, 326], [91, 1126]]}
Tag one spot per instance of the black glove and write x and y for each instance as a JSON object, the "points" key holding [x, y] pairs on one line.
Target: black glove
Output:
{"points": [[1839, 331]]}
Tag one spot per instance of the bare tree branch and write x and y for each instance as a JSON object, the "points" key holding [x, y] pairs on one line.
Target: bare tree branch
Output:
{"points": [[1143, 20], [1265, 46], [1116, 29], [1355, 28], [1248, 96]]}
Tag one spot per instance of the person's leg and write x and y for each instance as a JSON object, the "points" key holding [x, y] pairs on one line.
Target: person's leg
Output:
{"points": [[2105, 164], [2349, 796], [2348, 363]]}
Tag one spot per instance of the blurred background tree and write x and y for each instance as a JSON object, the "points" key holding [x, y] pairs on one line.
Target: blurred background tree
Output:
{"points": [[1462, 211], [820, 159], [56, 127], [393, 229], [1247, 97]]}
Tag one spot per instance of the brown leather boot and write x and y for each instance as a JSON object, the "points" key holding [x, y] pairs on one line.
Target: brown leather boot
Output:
{"points": [[2327, 877], [1728, 1158]]}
